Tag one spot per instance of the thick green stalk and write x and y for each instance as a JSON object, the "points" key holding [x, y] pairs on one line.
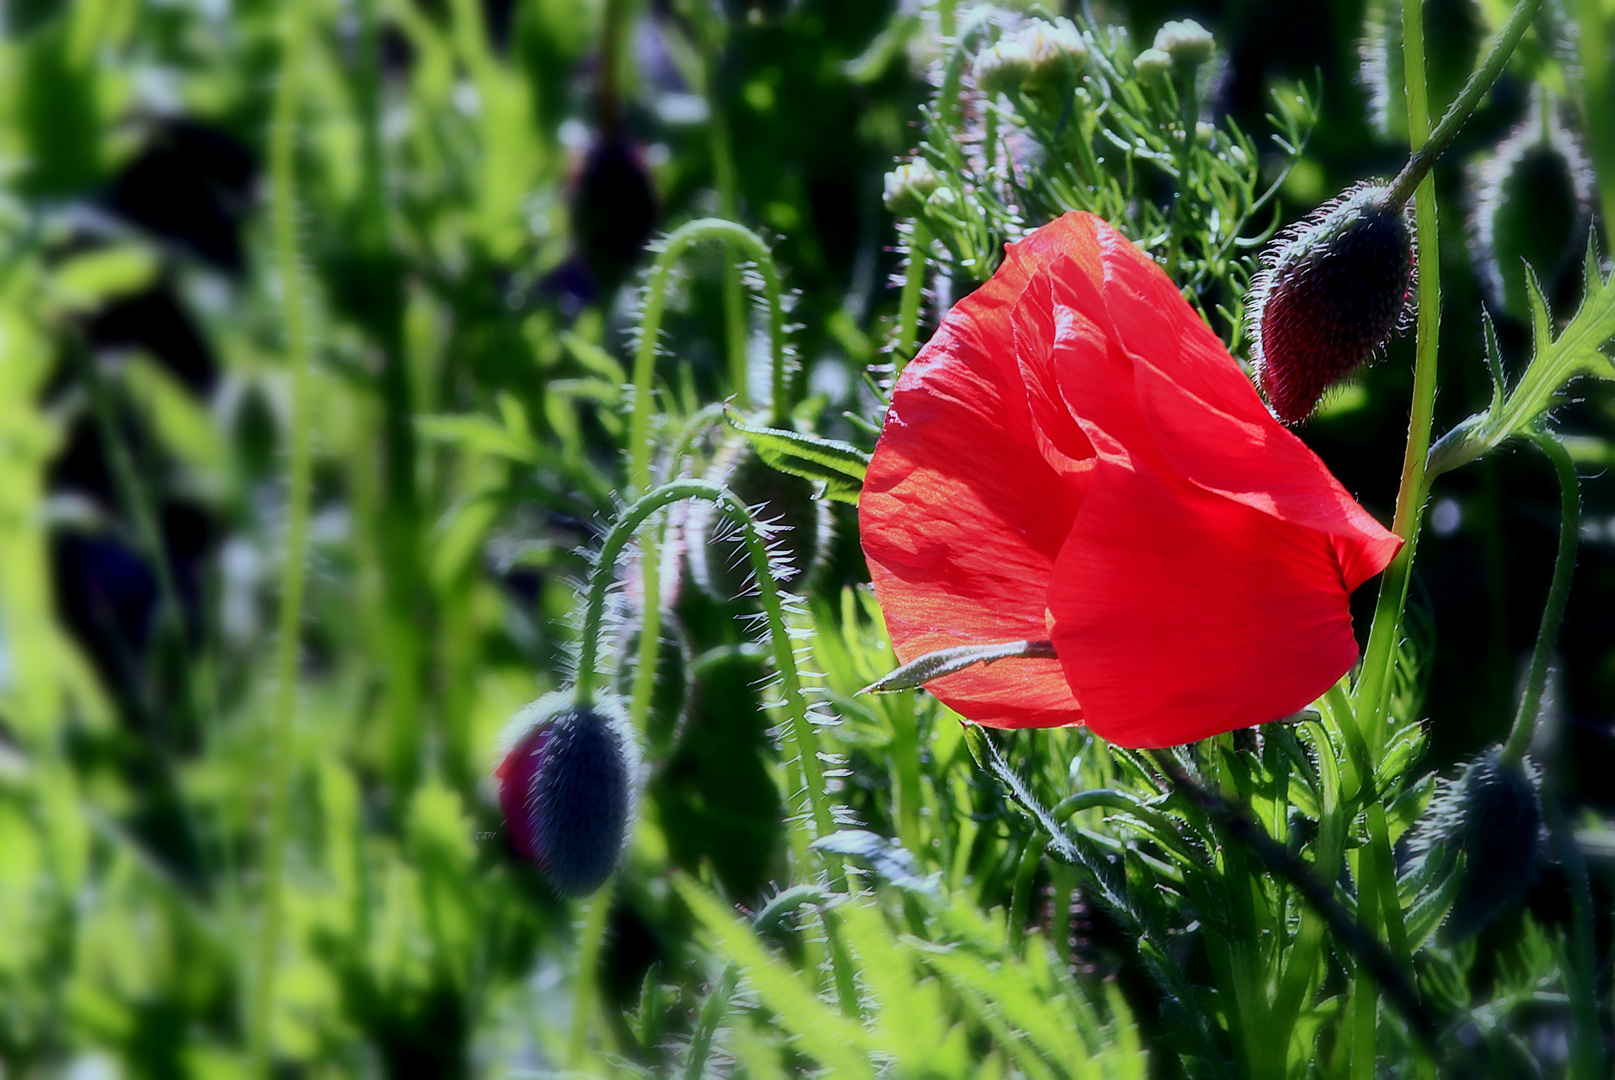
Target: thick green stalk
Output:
{"points": [[1553, 612], [1429, 150], [1374, 682], [283, 216], [586, 980], [724, 179]]}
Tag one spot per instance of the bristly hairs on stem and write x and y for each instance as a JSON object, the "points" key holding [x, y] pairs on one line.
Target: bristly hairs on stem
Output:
{"points": [[297, 15]]}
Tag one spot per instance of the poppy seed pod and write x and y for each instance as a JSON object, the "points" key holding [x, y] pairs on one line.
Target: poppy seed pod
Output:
{"points": [[718, 559], [1332, 292], [1533, 205], [568, 788]]}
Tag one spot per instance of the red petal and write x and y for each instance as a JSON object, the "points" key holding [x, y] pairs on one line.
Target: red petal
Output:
{"points": [[972, 490], [1211, 426], [1180, 614]]}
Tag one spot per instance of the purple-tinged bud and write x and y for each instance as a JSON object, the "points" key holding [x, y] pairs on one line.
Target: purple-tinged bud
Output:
{"points": [[568, 787], [1333, 291]]}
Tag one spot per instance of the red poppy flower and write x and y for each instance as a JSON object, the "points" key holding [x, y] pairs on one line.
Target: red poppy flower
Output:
{"points": [[1075, 457]]}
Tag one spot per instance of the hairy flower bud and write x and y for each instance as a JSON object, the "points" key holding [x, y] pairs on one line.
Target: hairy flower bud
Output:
{"points": [[719, 562], [568, 786], [1334, 289], [1533, 205], [1492, 816], [1186, 42], [908, 186]]}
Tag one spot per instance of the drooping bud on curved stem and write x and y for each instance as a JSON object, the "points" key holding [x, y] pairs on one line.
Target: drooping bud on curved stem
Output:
{"points": [[1338, 285], [568, 786]]}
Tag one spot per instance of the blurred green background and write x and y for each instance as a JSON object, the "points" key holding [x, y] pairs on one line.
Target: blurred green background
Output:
{"points": [[477, 181]]}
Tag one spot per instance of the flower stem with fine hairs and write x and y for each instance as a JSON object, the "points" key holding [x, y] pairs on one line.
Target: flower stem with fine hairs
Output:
{"points": [[908, 308], [283, 209], [803, 737], [723, 177], [1463, 107], [639, 478], [1374, 683], [1564, 565]]}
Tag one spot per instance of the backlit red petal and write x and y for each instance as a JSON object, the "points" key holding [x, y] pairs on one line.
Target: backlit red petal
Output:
{"points": [[1180, 614], [969, 498]]}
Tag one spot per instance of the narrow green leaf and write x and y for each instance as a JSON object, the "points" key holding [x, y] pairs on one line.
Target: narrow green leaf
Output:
{"points": [[935, 665], [839, 466]]}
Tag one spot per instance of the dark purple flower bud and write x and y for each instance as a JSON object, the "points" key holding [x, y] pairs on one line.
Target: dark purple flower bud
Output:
{"points": [[1333, 291], [568, 787]]}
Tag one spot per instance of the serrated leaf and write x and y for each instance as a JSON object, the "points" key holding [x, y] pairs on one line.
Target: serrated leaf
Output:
{"points": [[935, 665], [839, 466], [1494, 358]]}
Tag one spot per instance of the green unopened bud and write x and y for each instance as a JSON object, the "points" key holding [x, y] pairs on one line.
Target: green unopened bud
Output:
{"points": [[1186, 42], [1056, 49], [908, 186], [1002, 67], [1152, 65]]}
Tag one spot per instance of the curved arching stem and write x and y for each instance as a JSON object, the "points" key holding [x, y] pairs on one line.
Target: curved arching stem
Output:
{"points": [[1553, 612], [804, 738], [740, 238]]}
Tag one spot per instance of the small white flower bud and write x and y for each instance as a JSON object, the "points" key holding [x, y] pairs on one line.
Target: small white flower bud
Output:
{"points": [[1186, 42]]}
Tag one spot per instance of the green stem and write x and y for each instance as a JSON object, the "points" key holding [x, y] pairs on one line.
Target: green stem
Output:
{"points": [[1553, 612], [1190, 107], [639, 444], [804, 738], [1429, 150], [1020, 899], [1587, 1041], [283, 214], [1596, 98], [586, 980], [908, 310], [724, 179], [1374, 681]]}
